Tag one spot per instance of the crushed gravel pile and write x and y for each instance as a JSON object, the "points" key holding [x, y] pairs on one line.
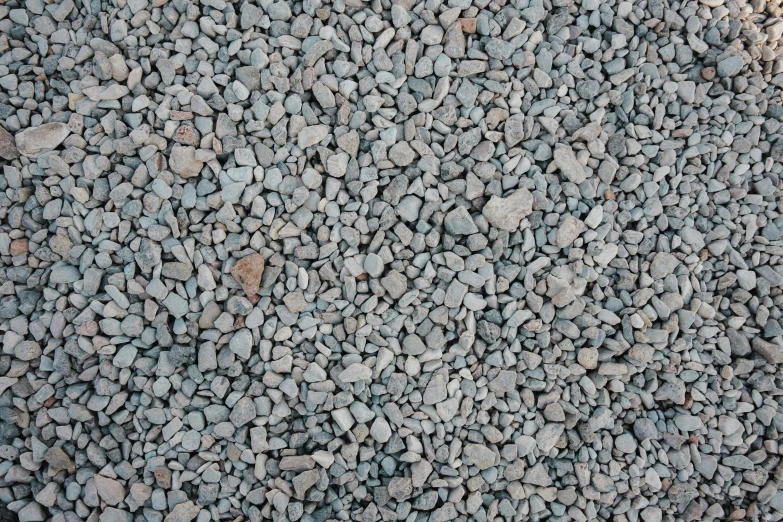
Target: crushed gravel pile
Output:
{"points": [[419, 261]]}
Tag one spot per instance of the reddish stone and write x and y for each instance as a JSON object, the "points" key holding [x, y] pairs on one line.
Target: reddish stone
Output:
{"points": [[180, 115], [19, 247], [187, 135], [88, 328], [248, 272]]}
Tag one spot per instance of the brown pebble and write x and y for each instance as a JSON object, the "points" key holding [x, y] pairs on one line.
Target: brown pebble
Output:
{"points": [[19, 246], [88, 328], [738, 514], [609, 195], [708, 73], [187, 135], [180, 115], [58, 460], [468, 25], [248, 272], [163, 477]]}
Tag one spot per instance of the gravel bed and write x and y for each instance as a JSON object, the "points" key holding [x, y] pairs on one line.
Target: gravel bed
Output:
{"points": [[373, 261]]}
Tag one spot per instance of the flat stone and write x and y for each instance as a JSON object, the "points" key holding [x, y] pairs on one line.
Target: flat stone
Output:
{"points": [[34, 140], [59, 460], [305, 481], [184, 512], [183, 161], [380, 430], [355, 372], [730, 66], [479, 456], [507, 213], [8, 150], [312, 135], [110, 491], [569, 166], [459, 222], [663, 264], [547, 437], [436, 390], [569, 230]]}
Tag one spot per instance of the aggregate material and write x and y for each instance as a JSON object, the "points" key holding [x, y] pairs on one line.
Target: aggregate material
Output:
{"points": [[391, 260]]}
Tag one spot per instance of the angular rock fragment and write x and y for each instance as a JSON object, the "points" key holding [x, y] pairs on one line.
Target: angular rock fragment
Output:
{"points": [[34, 140], [506, 213], [570, 167], [422, 261], [183, 161], [248, 272]]}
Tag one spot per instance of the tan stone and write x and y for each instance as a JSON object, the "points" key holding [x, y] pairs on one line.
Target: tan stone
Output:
{"points": [[468, 25]]}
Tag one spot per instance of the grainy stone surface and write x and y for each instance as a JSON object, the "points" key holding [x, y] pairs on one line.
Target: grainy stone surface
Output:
{"points": [[412, 261]]}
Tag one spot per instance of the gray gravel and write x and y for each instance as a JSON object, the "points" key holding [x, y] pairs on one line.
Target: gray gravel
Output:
{"points": [[383, 261]]}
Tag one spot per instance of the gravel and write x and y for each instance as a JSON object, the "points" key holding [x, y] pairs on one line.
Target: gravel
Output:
{"points": [[416, 261]]}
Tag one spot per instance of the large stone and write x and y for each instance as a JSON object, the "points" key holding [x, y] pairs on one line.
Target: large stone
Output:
{"points": [[243, 412], [515, 470], [401, 154], [184, 512], [59, 460], [355, 372], [538, 476], [662, 265], [569, 166], [506, 213], [34, 140], [110, 514], [772, 352], [682, 492], [730, 66], [454, 42], [312, 135], [505, 381], [514, 129], [343, 418], [32, 512], [380, 430], [297, 463], [400, 488], [569, 230], [7, 382], [547, 437], [183, 161], [305, 481], [479, 456], [436, 390], [110, 490]]}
